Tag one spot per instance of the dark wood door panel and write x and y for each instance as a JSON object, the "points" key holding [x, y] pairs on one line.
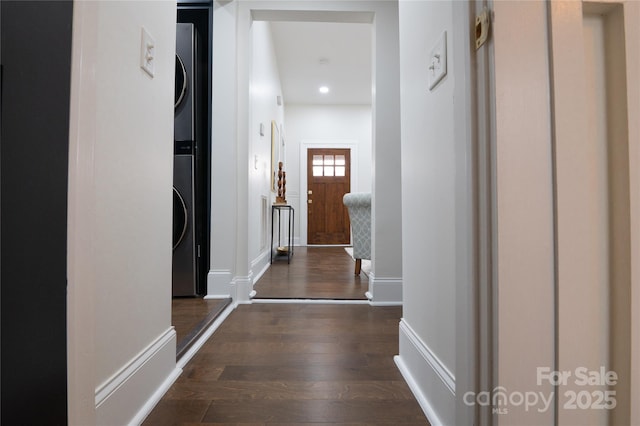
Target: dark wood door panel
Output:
{"points": [[328, 179]]}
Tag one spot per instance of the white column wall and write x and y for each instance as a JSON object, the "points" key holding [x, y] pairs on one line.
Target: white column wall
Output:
{"points": [[524, 258], [385, 280], [632, 33], [265, 88], [120, 193], [430, 191], [597, 202], [223, 152]]}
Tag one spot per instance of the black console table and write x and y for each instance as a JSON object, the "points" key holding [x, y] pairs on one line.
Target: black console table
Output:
{"points": [[291, 219]]}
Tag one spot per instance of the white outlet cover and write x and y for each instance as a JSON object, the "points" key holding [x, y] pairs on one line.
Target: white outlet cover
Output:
{"points": [[437, 62], [147, 53]]}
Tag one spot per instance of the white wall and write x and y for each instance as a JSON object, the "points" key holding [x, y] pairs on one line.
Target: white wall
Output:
{"points": [[632, 35], [385, 278], [224, 182], [595, 318], [524, 254], [325, 124], [121, 342], [550, 259], [429, 210], [265, 87]]}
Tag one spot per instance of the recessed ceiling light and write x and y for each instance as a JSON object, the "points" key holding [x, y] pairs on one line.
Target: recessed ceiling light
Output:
{"points": [[323, 89]]}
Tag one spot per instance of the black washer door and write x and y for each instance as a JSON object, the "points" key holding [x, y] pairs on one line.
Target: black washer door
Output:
{"points": [[180, 218], [181, 83]]}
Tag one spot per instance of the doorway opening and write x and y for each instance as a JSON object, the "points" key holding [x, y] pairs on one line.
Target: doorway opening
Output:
{"points": [[191, 314], [325, 144]]}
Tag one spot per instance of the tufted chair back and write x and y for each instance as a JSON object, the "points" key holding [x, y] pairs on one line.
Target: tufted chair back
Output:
{"points": [[359, 206]]}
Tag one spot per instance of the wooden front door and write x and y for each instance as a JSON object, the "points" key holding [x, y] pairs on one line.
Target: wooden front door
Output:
{"points": [[328, 179]]}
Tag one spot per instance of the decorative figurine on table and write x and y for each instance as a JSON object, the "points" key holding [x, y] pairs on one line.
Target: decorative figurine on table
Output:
{"points": [[282, 185]]}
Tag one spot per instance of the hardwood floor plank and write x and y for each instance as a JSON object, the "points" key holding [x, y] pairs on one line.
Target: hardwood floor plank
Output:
{"points": [[187, 312], [314, 273], [288, 358], [234, 390], [171, 411], [299, 424], [314, 411], [306, 373], [190, 317], [275, 347], [276, 364]]}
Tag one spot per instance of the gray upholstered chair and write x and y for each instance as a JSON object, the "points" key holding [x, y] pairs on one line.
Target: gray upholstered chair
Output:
{"points": [[359, 206]]}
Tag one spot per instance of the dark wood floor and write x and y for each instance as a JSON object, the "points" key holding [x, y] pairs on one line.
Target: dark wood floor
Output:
{"points": [[314, 273], [191, 315], [295, 364]]}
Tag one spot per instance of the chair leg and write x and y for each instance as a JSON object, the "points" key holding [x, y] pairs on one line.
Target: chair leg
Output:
{"points": [[358, 266]]}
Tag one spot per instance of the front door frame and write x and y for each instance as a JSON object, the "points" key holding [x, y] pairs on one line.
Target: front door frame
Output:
{"points": [[305, 145]]}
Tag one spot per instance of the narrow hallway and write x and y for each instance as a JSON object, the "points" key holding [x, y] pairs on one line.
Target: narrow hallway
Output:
{"points": [[295, 364]]}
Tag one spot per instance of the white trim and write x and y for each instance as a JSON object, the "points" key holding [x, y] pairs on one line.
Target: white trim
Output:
{"points": [[126, 394], [350, 144], [216, 297], [81, 215], [428, 410], [373, 303], [262, 262], [184, 359], [112, 384], [261, 273], [219, 283], [431, 382], [151, 403], [312, 301], [384, 291], [243, 287], [443, 372]]}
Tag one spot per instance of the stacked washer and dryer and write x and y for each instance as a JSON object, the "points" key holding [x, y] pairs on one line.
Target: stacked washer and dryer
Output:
{"points": [[184, 241]]}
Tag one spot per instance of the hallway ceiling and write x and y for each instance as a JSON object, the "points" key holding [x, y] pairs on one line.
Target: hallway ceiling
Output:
{"points": [[313, 54]]}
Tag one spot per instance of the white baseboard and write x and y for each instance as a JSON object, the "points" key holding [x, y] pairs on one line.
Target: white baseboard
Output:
{"points": [[384, 291], [261, 263], [431, 382], [219, 283], [216, 297], [242, 289], [133, 391], [155, 398], [312, 301]]}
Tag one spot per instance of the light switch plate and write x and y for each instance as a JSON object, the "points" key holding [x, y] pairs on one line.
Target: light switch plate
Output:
{"points": [[437, 65], [147, 53]]}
